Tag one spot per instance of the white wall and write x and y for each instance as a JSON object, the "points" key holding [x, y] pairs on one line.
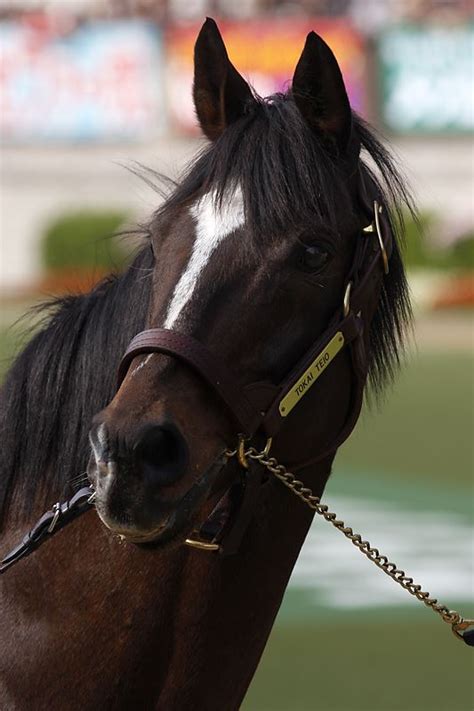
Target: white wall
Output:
{"points": [[37, 184]]}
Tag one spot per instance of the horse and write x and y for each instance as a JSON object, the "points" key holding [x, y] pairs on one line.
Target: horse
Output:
{"points": [[260, 248]]}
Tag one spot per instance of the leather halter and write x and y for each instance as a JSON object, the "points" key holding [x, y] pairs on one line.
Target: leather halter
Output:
{"points": [[219, 532], [257, 407], [260, 409]]}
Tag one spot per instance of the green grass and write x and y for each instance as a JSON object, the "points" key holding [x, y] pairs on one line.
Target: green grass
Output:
{"points": [[423, 433], [362, 663], [418, 450]]}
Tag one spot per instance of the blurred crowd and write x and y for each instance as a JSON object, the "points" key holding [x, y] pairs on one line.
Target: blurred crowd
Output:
{"points": [[111, 72], [368, 15]]}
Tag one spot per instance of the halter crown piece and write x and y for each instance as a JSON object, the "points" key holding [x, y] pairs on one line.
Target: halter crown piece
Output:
{"points": [[259, 411]]}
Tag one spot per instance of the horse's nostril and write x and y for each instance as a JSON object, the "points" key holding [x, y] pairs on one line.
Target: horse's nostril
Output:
{"points": [[161, 453]]}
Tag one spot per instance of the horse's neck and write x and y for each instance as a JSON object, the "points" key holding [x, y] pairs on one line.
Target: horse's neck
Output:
{"points": [[182, 629], [242, 596], [212, 626]]}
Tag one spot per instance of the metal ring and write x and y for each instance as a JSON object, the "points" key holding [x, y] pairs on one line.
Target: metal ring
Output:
{"points": [[241, 452], [268, 444], [460, 627], [347, 299], [378, 229]]}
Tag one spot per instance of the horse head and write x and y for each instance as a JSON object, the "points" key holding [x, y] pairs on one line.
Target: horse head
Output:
{"points": [[253, 252]]}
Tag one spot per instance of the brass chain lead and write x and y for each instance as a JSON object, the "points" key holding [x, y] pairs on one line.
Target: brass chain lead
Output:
{"points": [[297, 487]]}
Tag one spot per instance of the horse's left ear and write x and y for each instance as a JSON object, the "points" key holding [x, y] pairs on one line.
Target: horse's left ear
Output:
{"points": [[319, 92], [221, 94]]}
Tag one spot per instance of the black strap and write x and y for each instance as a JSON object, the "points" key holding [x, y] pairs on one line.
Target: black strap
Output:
{"points": [[229, 520], [50, 522], [468, 637]]}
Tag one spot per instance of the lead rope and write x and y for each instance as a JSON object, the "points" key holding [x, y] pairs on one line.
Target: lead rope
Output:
{"points": [[462, 628]]}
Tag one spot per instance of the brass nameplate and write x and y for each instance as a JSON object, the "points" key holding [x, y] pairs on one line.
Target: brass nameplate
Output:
{"points": [[309, 377]]}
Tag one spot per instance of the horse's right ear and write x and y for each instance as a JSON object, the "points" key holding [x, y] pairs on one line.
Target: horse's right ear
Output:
{"points": [[220, 94], [319, 93]]}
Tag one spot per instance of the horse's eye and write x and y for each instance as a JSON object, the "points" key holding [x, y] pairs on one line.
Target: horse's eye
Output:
{"points": [[313, 259]]}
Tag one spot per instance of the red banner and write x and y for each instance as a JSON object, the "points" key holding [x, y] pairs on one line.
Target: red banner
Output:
{"points": [[265, 52]]}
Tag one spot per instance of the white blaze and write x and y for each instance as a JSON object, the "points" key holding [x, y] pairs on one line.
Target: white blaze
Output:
{"points": [[214, 222]]}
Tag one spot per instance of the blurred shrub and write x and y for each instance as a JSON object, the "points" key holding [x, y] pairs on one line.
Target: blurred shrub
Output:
{"points": [[421, 253], [417, 252], [461, 254], [83, 241]]}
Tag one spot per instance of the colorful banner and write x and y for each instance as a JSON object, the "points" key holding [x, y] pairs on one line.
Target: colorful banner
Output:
{"points": [[265, 52], [427, 79], [101, 81]]}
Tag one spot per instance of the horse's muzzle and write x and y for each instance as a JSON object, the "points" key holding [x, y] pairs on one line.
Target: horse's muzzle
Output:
{"points": [[138, 492]]}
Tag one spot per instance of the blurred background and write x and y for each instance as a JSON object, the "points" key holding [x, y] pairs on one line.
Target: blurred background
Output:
{"points": [[90, 87]]}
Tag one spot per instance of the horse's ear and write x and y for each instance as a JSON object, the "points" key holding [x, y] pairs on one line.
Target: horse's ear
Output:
{"points": [[221, 95], [319, 92]]}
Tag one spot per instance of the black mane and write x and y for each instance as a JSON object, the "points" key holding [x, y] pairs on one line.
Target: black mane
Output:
{"points": [[288, 178], [65, 375], [67, 372]]}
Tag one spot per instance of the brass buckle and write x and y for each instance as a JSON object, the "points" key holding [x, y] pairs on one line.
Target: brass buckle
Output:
{"points": [[370, 228], [377, 210], [202, 545], [241, 452]]}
